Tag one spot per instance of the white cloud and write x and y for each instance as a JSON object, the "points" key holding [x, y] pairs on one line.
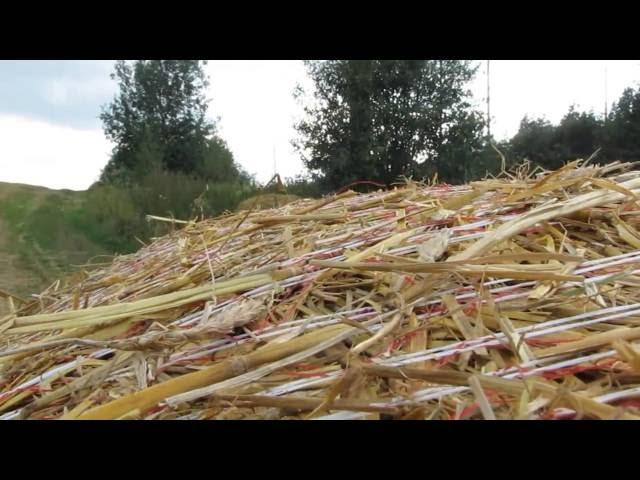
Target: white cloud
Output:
{"points": [[63, 91], [40, 153], [549, 87], [257, 109], [254, 100], [57, 92]]}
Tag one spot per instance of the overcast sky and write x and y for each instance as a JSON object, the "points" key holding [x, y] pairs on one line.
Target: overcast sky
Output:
{"points": [[50, 134]]}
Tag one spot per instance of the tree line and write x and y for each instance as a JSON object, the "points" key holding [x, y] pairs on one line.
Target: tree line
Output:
{"points": [[168, 158], [384, 119], [615, 136], [364, 120]]}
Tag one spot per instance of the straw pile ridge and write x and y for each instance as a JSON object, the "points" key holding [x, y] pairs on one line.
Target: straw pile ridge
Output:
{"points": [[267, 200], [508, 298]]}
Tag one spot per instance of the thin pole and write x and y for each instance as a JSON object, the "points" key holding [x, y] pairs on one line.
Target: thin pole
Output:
{"points": [[605, 93], [488, 100]]}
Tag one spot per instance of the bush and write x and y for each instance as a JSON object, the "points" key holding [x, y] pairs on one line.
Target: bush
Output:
{"points": [[304, 186], [114, 215]]}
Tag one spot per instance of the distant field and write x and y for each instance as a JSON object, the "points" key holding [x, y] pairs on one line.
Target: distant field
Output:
{"points": [[43, 236]]}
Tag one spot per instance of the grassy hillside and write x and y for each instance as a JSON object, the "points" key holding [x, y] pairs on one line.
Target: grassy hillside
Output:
{"points": [[43, 235], [46, 234]]}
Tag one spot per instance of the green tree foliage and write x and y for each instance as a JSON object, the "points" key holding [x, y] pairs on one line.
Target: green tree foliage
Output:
{"points": [[114, 215], [158, 120], [622, 131], [580, 134], [303, 186], [535, 141], [381, 119], [167, 160], [218, 165]]}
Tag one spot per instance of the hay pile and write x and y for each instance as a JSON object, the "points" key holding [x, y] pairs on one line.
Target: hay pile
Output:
{"points": [[508, 298], [267, 200]]}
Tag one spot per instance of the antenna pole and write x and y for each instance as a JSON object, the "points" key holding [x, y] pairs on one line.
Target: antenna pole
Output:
{"points": [[606, 106], [488, 100]]}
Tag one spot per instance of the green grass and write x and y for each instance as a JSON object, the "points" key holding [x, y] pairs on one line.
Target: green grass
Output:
{"points": [[46, 234], [40, 237]]}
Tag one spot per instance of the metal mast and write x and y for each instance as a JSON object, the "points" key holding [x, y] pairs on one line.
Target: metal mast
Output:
{"points": [[488, 100]]}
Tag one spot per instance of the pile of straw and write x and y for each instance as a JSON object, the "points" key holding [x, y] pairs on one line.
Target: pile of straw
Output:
{"points": [[267, 200], [514, 297]]}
